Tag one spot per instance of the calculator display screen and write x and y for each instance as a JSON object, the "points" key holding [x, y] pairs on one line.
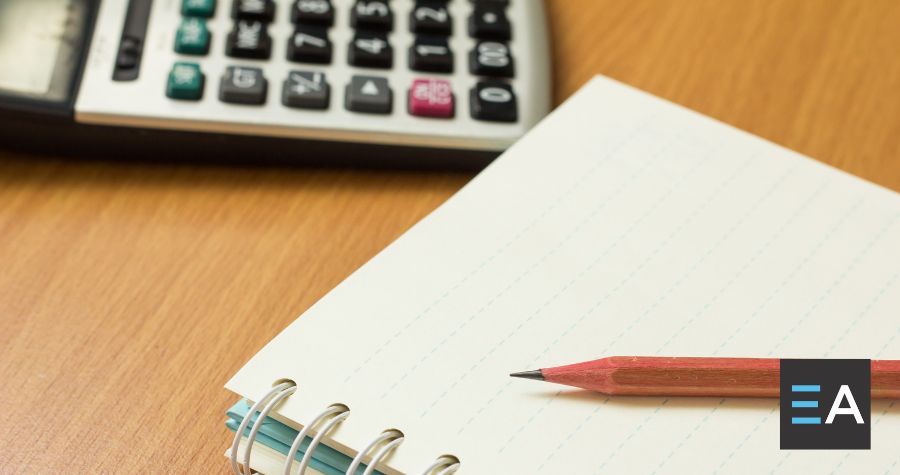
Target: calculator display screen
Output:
{"points": [[37, 46]]}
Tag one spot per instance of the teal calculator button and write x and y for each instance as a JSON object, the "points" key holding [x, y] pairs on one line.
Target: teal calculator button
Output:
{"points": [[192, 37], [185, 82], [198, 8]]}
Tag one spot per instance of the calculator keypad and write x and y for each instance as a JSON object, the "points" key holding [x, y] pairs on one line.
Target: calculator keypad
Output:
{"points": [[299, 70], [430, 22]]}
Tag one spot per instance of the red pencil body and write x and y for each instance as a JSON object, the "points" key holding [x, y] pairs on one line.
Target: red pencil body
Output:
{"points": [[682, 376]]}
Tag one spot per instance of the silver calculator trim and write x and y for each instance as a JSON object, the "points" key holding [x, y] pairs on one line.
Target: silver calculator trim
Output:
{"points": [[142, 103]]}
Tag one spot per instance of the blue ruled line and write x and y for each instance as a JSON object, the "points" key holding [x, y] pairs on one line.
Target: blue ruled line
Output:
{"points": [[804, 403], [805, 388], [806, 420]]}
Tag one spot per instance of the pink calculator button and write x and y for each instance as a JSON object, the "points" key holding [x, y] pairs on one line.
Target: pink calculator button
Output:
{"points": [[431, 98]]}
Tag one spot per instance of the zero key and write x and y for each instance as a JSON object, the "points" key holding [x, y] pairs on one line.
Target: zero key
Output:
{"points": [[493, 101]]}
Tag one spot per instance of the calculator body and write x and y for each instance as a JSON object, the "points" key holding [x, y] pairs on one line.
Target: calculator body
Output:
{"points": [[246, 81]]}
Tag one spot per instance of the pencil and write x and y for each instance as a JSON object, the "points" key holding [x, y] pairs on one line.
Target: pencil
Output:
{"points": [[693, 376]]}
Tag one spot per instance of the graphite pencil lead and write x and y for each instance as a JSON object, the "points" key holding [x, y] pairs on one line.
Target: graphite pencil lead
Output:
{"points": [[534, 374]]}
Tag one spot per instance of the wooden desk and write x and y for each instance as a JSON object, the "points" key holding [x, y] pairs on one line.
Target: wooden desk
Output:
{"points": [[129, 294]]}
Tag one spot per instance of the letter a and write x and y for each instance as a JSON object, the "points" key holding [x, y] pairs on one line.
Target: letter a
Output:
{"points": [[836, 408]]}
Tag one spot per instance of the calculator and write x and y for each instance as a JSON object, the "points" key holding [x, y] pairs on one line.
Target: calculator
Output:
{"points": [[443, 83]]}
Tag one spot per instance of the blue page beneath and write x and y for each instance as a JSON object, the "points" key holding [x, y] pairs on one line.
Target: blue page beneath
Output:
{"points": [[279, 437]]}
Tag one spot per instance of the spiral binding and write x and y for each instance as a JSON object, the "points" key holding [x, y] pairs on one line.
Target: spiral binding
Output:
{"points": [[332, 416]]}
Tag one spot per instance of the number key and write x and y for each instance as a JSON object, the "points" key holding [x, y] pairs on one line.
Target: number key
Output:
{"points": [[431, 53], [491, 58], [318, 12], [372, 14], [309, 44], [430, 16], [493, 101], [371, 50]]}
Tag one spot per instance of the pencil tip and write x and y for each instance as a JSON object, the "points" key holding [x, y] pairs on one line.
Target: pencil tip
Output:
{"points": [[534, 374]]}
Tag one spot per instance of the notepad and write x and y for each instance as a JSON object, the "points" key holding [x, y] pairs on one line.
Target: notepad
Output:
{"points": [[623, 224]]}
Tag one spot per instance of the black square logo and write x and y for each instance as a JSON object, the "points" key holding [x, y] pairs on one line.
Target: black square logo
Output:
{"points": [[826, 404]]}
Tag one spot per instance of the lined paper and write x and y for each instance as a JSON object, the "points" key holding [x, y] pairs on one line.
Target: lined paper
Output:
{"points": [[621, 225]]}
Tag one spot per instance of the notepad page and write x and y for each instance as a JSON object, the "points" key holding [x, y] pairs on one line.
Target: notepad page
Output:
{"points": [[621, 225]]}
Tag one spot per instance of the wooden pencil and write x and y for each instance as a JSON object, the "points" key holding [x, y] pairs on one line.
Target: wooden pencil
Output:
{"points": [[693, 376]]}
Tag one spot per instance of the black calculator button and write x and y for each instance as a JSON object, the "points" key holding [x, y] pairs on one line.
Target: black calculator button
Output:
{"points": [[309, 44], [430, 16], [491, 58], [306, 90], [242, 85], [431, 53], [493, 101], [314, 12], [492, 3], [258, 10], [369, 94], [249, 39], [372, 15], [489, 21], [371, 50]]}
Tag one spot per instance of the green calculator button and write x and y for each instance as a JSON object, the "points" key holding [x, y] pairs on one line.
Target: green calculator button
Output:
{"points": [[185, 82], [192, 37], [199, 8]]}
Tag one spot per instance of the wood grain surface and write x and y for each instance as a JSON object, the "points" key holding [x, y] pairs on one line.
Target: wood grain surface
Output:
{"points": [[130, 293]]}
